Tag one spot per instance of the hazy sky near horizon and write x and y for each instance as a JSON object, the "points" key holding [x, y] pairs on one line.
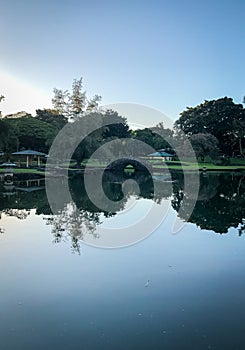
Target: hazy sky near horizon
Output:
{"points": [[164, 54]]}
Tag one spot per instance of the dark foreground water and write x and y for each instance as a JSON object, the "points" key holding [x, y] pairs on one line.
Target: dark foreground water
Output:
{"points": [[168, 291]]}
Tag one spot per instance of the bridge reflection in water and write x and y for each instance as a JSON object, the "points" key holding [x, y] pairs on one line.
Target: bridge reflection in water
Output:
{"points": [[220, 204]]}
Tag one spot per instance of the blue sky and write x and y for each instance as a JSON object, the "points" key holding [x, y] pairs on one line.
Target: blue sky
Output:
{"points": [[163, 54]]}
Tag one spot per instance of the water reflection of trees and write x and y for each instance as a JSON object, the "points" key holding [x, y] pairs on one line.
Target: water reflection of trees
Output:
{"points": [[24, 201], [220, 204], [81, 218], [73, 223]]}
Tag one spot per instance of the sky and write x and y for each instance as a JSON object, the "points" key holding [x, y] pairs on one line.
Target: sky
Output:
{"points": [[165, 54]]}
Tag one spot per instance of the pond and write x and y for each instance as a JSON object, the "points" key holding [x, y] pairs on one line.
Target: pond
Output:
{"points": [[75, 280]]}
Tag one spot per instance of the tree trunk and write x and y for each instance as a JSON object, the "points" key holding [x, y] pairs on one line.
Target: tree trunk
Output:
{"points": [[240, 147]]}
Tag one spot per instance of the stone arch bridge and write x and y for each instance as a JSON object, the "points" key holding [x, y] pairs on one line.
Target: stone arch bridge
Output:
{"points": [[120, 165]]}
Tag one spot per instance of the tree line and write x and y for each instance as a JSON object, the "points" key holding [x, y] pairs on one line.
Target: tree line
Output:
{"points": [[215, 128]]}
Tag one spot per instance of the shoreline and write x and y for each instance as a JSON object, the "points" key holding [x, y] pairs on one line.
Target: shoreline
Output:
{"points": [[155, 170]]}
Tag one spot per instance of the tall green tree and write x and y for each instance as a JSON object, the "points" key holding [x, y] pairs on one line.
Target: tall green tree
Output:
{"points": [[117, 125], [205, 145], [221, 118], [108, 126], [59, 100], [31, 133], [237, 136], [75, 103], [4, 131], [9, 141], [157, 137]]}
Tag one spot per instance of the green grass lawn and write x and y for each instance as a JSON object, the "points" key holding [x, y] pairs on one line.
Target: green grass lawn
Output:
{"points": [[157, 166], [197, 166], [188, 164], [175, 165], [25, 171]]}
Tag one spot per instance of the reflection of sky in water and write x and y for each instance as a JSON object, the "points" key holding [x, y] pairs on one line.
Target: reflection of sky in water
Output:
{"points": [[98, 300], [136, 222], [51, 298], [133, 212]]}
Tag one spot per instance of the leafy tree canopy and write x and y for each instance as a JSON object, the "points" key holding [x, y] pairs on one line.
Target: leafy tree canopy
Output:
{"points": [[32, 133], [222, 118], [205, 145], [75, 103], [157, 137], [118, 127], [52, 117]]}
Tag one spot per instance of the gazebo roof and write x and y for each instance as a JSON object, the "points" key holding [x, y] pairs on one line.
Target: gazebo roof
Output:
{"points": [[29, 152], [160, 154]]}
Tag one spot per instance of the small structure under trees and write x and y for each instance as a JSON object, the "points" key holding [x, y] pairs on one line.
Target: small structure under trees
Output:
{"points": [[29, 156], [161, 155]]}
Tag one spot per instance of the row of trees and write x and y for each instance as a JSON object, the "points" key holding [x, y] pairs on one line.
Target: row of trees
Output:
{"points": [[213, 127], [38, 132]]}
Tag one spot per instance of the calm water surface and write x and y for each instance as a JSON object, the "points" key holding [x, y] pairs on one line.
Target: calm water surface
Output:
{"points": [[169, 291]]}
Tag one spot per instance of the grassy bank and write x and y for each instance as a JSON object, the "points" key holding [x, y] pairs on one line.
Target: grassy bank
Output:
{"points": [[157, 167], [25, 171], [200, 166]]}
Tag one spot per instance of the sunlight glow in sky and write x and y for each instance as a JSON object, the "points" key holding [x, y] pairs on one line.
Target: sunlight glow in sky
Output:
{"points": [[164, 54], [21, 96]]}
